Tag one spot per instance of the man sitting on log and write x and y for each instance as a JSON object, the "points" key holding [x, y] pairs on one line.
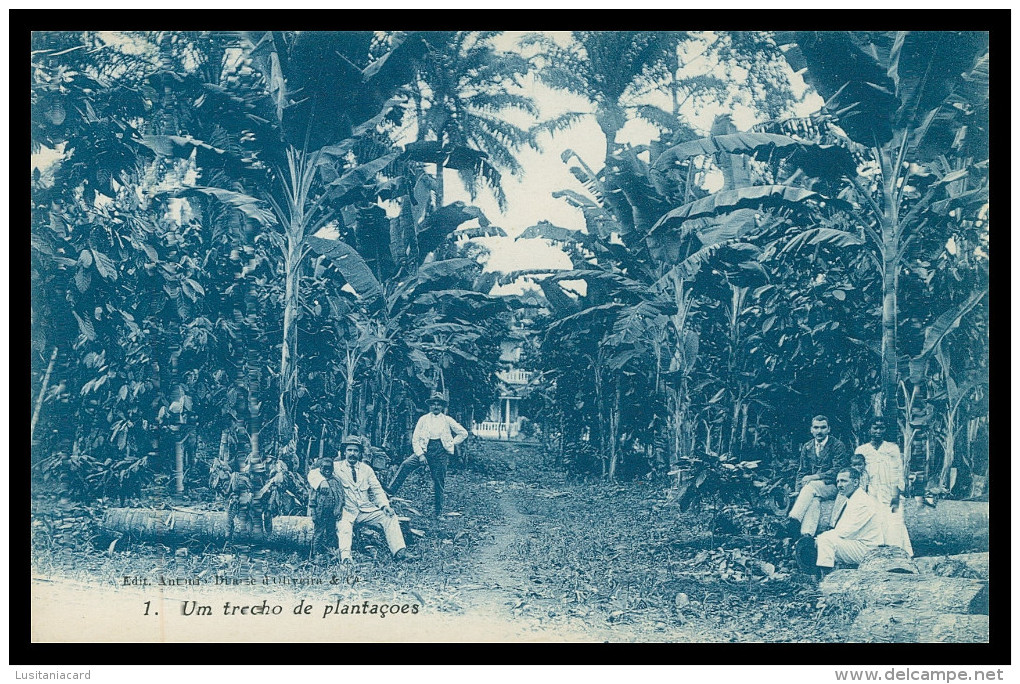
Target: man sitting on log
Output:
{"points": [[858, 526], [822, 456], [365, 502], [327, 506]]}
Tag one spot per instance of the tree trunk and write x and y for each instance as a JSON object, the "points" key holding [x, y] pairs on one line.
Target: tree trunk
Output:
{"points": [[440, 186], [601, 412], [307, 465], [224, 444], [178, 461], [288, 355], [348, 402], [948, 448], [896, 625], [181, 525], [928, 593], [735, 422], [890, 373], [950, 527], [890, 270], [614, 427], [42, 394], [888, 559], [254, 413]]}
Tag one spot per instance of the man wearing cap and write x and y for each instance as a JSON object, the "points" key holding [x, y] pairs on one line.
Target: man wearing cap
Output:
{"points": [[433, 441], [365, 502]]}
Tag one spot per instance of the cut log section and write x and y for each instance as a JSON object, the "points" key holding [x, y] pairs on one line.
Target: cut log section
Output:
{"points": [[927, 593], [963, 565], [949, 527], [896, 625], [888, 559]]}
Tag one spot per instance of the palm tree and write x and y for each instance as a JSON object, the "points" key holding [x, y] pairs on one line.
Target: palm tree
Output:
{"points": [[463, 107], [606, 67]]}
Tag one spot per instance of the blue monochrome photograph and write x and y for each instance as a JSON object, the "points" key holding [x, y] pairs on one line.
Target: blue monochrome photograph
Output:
{"points": [[502, 336]]}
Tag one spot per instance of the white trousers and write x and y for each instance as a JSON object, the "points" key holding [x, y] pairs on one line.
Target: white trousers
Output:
{"points": [[831, 547], [895, 530], [808, 508], [388, 524]]}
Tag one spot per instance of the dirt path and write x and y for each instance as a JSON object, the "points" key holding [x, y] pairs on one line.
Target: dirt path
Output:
{"points": [[505, 590], [499, 594]]}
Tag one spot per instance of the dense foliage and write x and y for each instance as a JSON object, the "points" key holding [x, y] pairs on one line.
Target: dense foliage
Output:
{"points": [[233, 256], [241, 248], [840, 269]]}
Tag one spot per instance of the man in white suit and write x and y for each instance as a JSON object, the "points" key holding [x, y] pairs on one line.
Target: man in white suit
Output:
{"points": [[364, 501], [858, 528]]}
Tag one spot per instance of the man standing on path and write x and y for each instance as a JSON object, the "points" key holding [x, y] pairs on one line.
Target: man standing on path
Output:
{"points": [[821, 457], [365, 502], [434, 439], [858, 529]]}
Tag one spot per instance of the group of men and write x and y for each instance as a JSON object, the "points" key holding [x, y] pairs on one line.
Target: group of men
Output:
{"points": [[867, 487], [347, 492]]}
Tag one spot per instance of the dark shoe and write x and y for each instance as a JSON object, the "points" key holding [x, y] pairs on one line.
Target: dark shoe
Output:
{"points": [[806, 554], [791, 529]]}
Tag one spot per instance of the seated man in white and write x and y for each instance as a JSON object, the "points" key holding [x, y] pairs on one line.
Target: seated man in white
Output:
{"points": [[365, 502], [857, 529]]}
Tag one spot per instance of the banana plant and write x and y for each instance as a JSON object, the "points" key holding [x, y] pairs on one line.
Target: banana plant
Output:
{"points": [[316, 180], [917, 103]]}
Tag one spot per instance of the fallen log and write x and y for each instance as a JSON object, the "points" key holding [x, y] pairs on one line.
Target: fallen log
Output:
{"points": [[949, 527], [961, 565], [896, 625], [926, 593], [182, 525]]}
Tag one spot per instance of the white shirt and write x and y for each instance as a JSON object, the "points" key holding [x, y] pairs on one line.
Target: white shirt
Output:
{"points": [[885, 470], [441, 427]]}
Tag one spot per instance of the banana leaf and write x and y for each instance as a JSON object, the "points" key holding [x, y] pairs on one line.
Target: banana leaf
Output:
{"points": [[249, 206], [350, 264], [816, 160], [548, 231]]}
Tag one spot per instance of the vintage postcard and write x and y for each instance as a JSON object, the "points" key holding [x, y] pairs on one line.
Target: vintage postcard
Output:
{"points": [[461, 336]]}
